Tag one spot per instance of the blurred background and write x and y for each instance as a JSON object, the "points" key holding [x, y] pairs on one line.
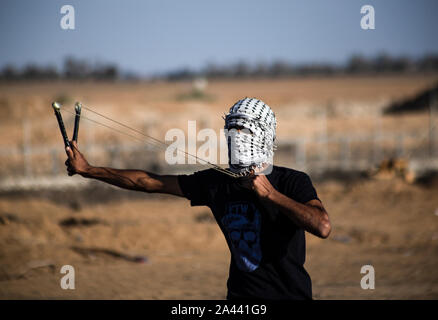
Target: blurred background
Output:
{"points": [[356, 109]]}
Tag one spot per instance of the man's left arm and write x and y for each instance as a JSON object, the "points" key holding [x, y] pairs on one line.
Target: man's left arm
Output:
{"points": [[311, 216]]}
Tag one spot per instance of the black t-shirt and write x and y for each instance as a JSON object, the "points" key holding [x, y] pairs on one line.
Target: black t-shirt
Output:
{"points": [[267, 249]]}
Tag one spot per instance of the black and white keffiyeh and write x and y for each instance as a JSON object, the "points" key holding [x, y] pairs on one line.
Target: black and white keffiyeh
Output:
{"points": [[252, 146]]}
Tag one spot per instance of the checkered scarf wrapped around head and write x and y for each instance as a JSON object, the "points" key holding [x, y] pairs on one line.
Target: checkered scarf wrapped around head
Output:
{"points": [[251, 148]]}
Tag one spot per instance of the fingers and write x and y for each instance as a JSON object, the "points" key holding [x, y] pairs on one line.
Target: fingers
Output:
{"points": [[74, 156], [74, 149], [70, 171], [247, 182], [70, 153]]}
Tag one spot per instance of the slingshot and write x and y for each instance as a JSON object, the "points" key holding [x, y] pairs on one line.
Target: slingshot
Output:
{"points": [[57, 108], [151, 140]]}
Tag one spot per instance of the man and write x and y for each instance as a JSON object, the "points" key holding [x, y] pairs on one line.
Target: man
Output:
{"points": [[263, 214]]}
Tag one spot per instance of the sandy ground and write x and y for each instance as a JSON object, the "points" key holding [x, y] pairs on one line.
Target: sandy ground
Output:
{"points": [[386, 223]]}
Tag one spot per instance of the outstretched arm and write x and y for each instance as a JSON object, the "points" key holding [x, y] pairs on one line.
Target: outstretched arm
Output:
{"points": [[138, 180]]}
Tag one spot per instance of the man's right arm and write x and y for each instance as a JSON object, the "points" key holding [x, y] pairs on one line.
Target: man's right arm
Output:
{"points": [[127, 179], [137, 180]]}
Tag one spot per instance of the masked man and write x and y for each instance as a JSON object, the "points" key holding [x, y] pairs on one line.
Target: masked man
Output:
{"points": [[263, 214]]}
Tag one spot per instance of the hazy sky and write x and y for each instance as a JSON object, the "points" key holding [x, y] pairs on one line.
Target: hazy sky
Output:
{"points": [[156, 36]]}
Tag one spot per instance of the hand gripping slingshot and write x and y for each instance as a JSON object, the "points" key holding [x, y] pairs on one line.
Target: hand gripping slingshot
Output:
{"points": [[57, 108]]}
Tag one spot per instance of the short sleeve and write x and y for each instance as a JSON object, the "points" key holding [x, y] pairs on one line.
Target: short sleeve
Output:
{"points": [[300, 188], [195, 188]]}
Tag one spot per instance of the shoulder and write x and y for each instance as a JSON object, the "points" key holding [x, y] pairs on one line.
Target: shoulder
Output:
{"points": [[284, 173], [290, 180], [208, 175], [295, 184], [197, 186]]}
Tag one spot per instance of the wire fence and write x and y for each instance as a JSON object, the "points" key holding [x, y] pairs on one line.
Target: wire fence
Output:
{"points": [[346, 151]]}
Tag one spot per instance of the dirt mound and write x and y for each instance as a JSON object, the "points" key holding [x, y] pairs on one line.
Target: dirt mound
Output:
{"points": [[420, 102]]}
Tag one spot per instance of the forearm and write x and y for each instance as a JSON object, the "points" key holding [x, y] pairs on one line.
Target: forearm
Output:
{"points": [[127, 179], [311, 218]]}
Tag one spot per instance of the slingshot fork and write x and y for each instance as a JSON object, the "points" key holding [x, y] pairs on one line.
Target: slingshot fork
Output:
{"points": [[57, 109]]}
